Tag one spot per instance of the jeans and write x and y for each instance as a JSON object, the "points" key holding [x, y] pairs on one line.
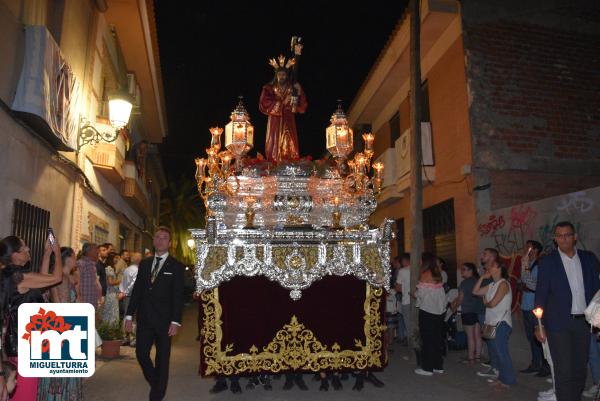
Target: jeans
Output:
{"points": [[499, 353], [401, 333], [537, 354], [595, 357], [405, 309]]}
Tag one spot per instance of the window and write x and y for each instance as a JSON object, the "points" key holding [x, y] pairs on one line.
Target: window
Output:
{"points": [[31, 224], [394, 128]]}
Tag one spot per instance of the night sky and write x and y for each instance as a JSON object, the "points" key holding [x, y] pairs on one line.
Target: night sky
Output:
{"points": [[212, 52]]}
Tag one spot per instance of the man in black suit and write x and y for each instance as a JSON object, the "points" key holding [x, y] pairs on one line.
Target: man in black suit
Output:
{"points": [[567, 281], [157, 302]]}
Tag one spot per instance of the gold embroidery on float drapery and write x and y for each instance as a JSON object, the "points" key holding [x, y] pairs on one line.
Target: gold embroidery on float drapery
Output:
{"points": [[294, 346]]}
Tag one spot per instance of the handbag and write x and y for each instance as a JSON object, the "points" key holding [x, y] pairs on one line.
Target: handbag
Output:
{"points": [[11, 340], [489, 331]]}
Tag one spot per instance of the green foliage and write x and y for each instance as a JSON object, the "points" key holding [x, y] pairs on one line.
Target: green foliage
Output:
{"points": [[181, 209], [110, 331]]}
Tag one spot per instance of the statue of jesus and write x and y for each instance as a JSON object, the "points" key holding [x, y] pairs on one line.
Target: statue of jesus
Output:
{"points": [[280, 99]]}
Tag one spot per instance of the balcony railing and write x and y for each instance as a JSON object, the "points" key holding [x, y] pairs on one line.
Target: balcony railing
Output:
{"points": [[134, 190], [109, 158]]}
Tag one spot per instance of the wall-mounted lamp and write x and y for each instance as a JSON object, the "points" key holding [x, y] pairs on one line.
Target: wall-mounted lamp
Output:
{"points": [[119, 111], [482, 187]]}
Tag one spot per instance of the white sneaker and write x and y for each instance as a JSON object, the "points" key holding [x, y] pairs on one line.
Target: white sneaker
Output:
{"points": [[491, 372], [440, 371], [422, 372], [547, 395], [591, 392]]}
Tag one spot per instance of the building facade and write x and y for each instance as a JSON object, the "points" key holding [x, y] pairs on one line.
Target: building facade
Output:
{"points": [[509, 114], [66, 58]]}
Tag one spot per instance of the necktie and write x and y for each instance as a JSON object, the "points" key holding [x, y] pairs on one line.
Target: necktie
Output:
{"points": [[155, 268]]}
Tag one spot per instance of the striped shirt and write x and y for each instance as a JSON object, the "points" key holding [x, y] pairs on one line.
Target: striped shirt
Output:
{"points": [[88, 288]]}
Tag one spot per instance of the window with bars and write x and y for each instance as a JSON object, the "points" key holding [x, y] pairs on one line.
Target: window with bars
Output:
{"points": [[31, 224]]}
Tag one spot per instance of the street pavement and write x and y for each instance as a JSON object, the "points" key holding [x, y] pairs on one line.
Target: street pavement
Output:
{"points": [[121, 379]]}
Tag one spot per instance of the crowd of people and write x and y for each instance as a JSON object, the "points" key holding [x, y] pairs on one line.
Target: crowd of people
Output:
{"points": [[561, 283], [96, 275]]}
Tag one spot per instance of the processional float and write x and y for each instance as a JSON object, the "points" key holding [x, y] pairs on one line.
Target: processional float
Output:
{"points": [[291, 276]]}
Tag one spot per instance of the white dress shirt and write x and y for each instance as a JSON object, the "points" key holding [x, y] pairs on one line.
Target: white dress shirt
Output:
{"points": [[575, 276], [129, 276]]}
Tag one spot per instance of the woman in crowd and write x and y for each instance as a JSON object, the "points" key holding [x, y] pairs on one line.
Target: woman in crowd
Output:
{"points": [[471, 306], [63, 388], [18, 287], [497, 299], [110, 309], [431, 301]]}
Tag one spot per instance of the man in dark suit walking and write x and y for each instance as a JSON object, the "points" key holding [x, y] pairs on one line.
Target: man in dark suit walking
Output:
{"points": [[157, 302], [567, 281]]}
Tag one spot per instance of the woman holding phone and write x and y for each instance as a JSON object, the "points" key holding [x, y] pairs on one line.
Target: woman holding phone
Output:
{"points": [[18, 287]]}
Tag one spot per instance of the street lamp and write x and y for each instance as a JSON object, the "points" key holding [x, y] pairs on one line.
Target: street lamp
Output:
{"points": [[119, 111]]}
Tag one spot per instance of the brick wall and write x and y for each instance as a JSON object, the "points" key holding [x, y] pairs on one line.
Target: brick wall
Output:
{"points": [[533, 76]]}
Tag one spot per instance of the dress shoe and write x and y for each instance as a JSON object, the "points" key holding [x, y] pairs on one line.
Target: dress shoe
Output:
{"points": [[300, 382], [289, 383], [252, 382], [336, 383], [265, 380], [370, 377], [530, 369], [235, 387], [218, 387], [543, 372], [359, 384], [324, 385]]}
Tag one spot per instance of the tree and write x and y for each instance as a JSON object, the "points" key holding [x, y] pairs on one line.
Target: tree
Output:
{"points": [[416, 156], [181, 209]]}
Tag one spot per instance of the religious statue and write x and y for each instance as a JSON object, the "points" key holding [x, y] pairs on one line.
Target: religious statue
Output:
{"points": [[280, 99]]}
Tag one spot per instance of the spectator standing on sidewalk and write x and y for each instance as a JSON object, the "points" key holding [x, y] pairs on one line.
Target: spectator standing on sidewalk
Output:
{"points": [[89, 289], [529, 275], [403, 286], [497, 299], [126, 287], [471, 306]]}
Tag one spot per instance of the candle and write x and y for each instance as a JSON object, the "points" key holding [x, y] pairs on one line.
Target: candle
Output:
{"points": [[378, 167], [539, 312], [336, 201], [200, 165], [215, 140], [225, 159], [368, 138]]}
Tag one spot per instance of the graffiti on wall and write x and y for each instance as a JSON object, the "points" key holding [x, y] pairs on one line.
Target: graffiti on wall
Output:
{"points": [[509, 229]]}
